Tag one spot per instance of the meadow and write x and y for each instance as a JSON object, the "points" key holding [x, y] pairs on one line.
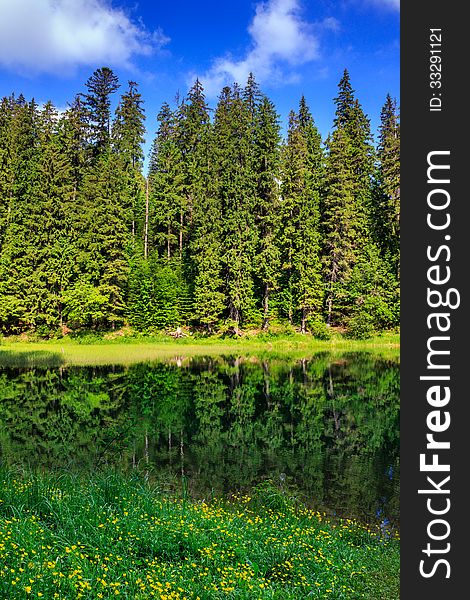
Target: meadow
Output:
{"points": [[107, 535], [106, 350]]}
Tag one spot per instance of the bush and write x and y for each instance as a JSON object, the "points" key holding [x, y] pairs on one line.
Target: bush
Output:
{"points": [[360, 326], [319, 330]]}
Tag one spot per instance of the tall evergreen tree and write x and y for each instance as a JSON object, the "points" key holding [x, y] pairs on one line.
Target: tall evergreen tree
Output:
{"points": [[104, 243], [6, 115], [347, 199], [166, 181], [102, 83], [266, 159], [387, 213], [193, 123], [18, 256], [76, 132], [340, 237], [129, 128], [128, 137], [204, 203], [236, 187], [302, 174], [54, 195]]}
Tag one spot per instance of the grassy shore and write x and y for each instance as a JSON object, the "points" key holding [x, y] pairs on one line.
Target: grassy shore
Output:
{"points": [[108, 536], [132, 349]]}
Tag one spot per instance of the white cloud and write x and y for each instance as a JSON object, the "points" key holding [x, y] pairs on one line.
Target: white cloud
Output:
{"points": [[54, 35], [280, 40]]}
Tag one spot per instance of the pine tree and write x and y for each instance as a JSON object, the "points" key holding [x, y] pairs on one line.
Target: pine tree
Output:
{"points": [[340, 237], [166, 191], [302, 174], [102, 83], [347, 201], [6, 175], [192, 128], [104, 242], [128, 137], [18, 256], [236, 189], [387, 213], [265, 165]]}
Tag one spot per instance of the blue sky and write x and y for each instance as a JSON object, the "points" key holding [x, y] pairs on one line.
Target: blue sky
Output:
{"points": [[49, 48]]}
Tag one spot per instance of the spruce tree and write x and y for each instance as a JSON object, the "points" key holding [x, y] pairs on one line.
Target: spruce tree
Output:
{"points": [[129, 128], [265, 165], [6, 115], [104, 243], [340, 237], [166, 187], [387, 212], [347, 199], [102, 83], [127, 138], [54, 196], [193, 123], [18, 300], [301, 177], [76, 132], [207, 246], [236, 189]]}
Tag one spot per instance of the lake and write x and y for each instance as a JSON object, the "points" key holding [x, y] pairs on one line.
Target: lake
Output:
{"points": [[325, 427]]}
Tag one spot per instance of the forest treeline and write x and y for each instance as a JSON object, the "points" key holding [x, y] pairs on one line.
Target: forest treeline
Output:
{"points": [[233, 227]]}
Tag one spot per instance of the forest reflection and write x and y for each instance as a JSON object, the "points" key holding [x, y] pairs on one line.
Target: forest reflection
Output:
{"points": [[326, 427]]}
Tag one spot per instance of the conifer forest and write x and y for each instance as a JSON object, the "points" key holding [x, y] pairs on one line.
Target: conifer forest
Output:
{"points": [[234, 226]]}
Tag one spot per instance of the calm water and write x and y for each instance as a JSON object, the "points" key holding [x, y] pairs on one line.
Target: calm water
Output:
{"points": [[327, 427]]}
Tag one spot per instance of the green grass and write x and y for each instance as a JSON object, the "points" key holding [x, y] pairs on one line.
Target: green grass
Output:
{"points": [[128, 350], [111, 536]]}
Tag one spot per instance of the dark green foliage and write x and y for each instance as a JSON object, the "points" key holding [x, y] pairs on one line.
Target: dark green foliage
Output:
{"points": [[100, 86], [301, 252], [347, 218], [266, 162], [127, 138], [158, 295], [236, 190], [128, 128], [340, 236], [232, 229], [104, 244], [387, 209]]}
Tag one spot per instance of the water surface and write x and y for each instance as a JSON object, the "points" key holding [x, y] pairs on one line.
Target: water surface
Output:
{"points": [[326, 427]]}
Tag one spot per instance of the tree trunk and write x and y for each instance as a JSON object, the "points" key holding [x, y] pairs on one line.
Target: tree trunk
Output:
{"points": [[330, 295], [146, 228], [181, 234], [266, 308], [235, 316]]}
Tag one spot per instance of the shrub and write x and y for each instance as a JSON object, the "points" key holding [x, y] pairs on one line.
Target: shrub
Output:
{"points": [[360, 326], [319, 330]]}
